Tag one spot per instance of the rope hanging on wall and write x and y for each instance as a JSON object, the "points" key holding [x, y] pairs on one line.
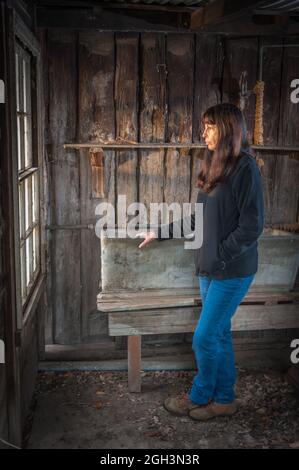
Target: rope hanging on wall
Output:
{"points": [[258, 90], [258, 134]]}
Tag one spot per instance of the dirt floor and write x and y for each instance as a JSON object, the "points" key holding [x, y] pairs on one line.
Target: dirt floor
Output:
{"points": [[94, 410]]}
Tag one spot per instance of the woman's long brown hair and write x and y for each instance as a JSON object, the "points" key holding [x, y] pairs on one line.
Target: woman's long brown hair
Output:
{"points": [[218, 165]]}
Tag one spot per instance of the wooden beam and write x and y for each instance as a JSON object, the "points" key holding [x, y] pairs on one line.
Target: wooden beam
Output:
{"points": [[104, 20], [220, 12], [118, 6], [191, 145], [184, 320]]}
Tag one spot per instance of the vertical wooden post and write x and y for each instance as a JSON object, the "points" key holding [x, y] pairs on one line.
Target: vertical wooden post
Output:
{"points": [[134, 363]]}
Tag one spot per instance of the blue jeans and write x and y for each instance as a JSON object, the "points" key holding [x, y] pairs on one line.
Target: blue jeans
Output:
{"points": [[212, 339]]}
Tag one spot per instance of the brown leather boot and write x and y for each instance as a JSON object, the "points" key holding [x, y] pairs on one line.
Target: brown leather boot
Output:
{"points": [[212, 410], [179, 405]]}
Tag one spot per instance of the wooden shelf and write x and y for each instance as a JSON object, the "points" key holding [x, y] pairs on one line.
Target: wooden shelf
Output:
{"points": [[164, 145], [135, 146]]}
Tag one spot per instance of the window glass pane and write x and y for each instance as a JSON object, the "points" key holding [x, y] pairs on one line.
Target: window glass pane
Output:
{"points": [[24, 91], [27, 84], [28, 203], [19, 142], [26, 206], [35, 201], [22, 208], [29, 261], [17, 82], [23, 274], [28, 141], [36, 264]]}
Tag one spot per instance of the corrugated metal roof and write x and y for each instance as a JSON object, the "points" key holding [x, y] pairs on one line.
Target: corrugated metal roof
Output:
{"points": [[280, 5], [188, 3], [275, 5]]}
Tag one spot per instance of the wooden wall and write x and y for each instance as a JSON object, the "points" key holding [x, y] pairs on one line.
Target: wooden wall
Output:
{"points": [[3, 387], [3, 286], [147, 87]]}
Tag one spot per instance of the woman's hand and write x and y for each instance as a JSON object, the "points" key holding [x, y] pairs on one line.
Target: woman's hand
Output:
{"points": [[148, 238]]}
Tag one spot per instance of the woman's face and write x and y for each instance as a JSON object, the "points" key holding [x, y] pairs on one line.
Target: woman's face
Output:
{"points": [[211, 136]]}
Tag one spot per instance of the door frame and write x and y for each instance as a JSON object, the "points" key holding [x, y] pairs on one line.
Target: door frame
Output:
{"points": [[8, 149]]}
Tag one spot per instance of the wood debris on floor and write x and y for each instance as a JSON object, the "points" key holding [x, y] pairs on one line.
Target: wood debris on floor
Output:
{"points": [[95, 410]]}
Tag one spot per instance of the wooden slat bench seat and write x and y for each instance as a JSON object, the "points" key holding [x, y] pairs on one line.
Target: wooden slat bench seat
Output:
{"points": [[134, 314]]}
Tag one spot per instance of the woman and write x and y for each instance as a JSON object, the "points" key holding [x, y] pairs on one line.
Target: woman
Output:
{"points": [[230, 189]]}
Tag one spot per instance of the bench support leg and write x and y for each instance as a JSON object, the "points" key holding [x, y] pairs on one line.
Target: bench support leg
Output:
{"points": [[134, 364]]}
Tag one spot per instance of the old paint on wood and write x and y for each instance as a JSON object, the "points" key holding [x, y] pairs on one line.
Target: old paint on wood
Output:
{"points": [[96, 123], [180, 76], [126, 112], [65, 190], [241, 66], [184, 319], [152, 119]]}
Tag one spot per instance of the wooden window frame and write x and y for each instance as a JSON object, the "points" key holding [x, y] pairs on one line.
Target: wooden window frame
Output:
{"points": [[24, 39]]}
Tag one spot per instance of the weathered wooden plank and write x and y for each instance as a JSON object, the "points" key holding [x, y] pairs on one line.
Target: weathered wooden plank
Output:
{"points": [[197, 156], [241, 67], [268, 180], [207, 92], [46, 318], [156, 321], [48, 183], [65, 190], [293, 376], [116, 295], [134, 363], [286, 190], [253, 295], [182, 320], [129, 305], [266, 317], [180, 68], [126, 103], [207, 79], [286, 195], [97, 123], [3, 286], [152, 117], [10, 302], [168, 302], [271, 75], [289, 110], [67, 291], [29, 361], [3, 385]]}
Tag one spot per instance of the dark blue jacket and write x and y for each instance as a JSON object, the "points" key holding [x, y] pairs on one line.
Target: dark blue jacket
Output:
{"points": [[233, 220]]}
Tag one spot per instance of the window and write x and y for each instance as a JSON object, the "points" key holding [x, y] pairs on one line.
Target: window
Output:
{"points": [[28, 172]]}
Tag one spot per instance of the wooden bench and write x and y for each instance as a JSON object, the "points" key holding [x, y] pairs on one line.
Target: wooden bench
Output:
{"points": [[154, 291]]}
